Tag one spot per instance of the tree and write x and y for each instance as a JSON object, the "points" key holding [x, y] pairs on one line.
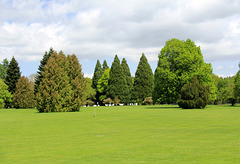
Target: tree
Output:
{"points": [[117, 85], [91, 93], [194, 95], [143, 82], [24, 95], [97, 75], [179, 61], [103, 84], [43, 62], [127, 74], [77, 82], [13, 75], [3, 68], [5, 95], [55, 91], [104, 66], [237, 85]]}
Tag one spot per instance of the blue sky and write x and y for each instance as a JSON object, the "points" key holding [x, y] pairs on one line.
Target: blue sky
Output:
{"points": [[100, 29]]}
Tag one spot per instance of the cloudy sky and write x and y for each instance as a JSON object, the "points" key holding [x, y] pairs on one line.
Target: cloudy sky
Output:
{"points": [[100, 29]]}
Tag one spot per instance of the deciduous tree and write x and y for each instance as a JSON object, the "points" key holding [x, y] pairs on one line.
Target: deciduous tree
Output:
{"points": [[5, 95]]}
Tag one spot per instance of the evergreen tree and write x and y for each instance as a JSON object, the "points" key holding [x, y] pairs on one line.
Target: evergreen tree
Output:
{"points": [[237, 85], [77, 82], [97, 75], [5, 95], [105, 65], [194, 95], [143, 82], [43, 62], [103, 84], [55, 91], [13, 75], [117, 84], [91, 93], [3, 68], [24, 95], [127, 74]]}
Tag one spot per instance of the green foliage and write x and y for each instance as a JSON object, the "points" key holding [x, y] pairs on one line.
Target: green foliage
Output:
{"points": [[3, 68], [43, 62], [103, 84], [13, 74], [117, 85], [89, 102], [107, 101], [77, 82], [23, 97], [127, 74], [97, 75], [147, 101], [237, 85], [143, 82], [178, 62], [104, 66], [91, 93], [194, 95], [5, 95]]}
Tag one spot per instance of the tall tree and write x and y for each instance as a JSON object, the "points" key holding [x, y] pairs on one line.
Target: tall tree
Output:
{"points": [[55, 91], [13, 74], [5, 95], [143, 82], [178, 62], [127, 74], [23, 97], [3, 68], [77, 82], [91, 93], [103, 84], [117, 84], [43, 62], [237, 85], [97, 74], [104, 65]]}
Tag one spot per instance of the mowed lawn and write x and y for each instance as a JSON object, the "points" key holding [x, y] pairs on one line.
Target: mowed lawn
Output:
{"points": [[128, 134]]}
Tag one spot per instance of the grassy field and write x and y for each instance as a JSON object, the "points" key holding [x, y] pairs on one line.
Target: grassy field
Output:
{"points": [[135, 134]]}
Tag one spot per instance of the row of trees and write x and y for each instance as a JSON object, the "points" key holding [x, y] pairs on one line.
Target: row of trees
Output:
{"points": [[117, 84]]}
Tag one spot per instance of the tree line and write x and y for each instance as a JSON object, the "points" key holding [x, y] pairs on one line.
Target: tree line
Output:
{"points": [[181, 77]]}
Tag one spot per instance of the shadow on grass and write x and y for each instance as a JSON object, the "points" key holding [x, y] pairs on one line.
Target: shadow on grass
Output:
{"points": [[163, 107]]}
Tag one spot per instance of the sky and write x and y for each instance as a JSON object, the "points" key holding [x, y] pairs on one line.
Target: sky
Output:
{"points": [[101, 29]]}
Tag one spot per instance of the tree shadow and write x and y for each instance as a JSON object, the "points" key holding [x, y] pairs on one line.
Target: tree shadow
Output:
{"points": [[163, 107]]}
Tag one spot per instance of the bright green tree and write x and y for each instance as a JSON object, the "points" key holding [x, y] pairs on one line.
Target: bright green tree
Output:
{"points": [[143, 82], [237, 85], [127, 74], [179, 61], [23, 97], [97, 74], [43, 62], [194, 95], [13, 75], [3, 68], [5, 95], [77, 82], [55, 91], [104, 65], [117, 84], [103, 84], [91, 93]]}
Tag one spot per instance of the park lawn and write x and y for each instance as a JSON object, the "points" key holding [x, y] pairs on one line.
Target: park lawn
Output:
{"points": [[124, 134]]}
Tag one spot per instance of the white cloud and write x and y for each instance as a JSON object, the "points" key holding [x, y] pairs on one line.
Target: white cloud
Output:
{"points": [[219, 68]]}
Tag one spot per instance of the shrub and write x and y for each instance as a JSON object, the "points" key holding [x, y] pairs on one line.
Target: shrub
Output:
{"points": [[89, 102], [194, 95], [147, 101], [107, 101], [116, 101]]}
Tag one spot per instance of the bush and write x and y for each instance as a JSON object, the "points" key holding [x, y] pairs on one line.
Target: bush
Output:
{"points": [[107, 101], [89, 102], [194, 95], [116, 101], [147, 101]]}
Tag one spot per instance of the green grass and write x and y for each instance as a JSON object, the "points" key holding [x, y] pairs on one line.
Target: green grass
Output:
{"points": [[136, 134]]}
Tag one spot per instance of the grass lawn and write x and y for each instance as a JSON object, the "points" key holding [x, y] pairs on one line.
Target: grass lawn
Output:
{"points": [[128, 134]]}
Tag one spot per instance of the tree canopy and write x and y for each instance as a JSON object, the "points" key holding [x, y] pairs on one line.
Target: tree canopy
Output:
{"points": [[237, 85], [5, 95], [103, 84], [3, 68], [178, 62]]}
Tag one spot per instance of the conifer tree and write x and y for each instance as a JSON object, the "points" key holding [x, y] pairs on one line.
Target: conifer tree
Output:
{"points": [[13, 74], [97, 74], [43, 62], [105, 65], [117, 85], [24, 95], [103, 84], [77, 82], [127, 74], [143, 82], [55, 92]]}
